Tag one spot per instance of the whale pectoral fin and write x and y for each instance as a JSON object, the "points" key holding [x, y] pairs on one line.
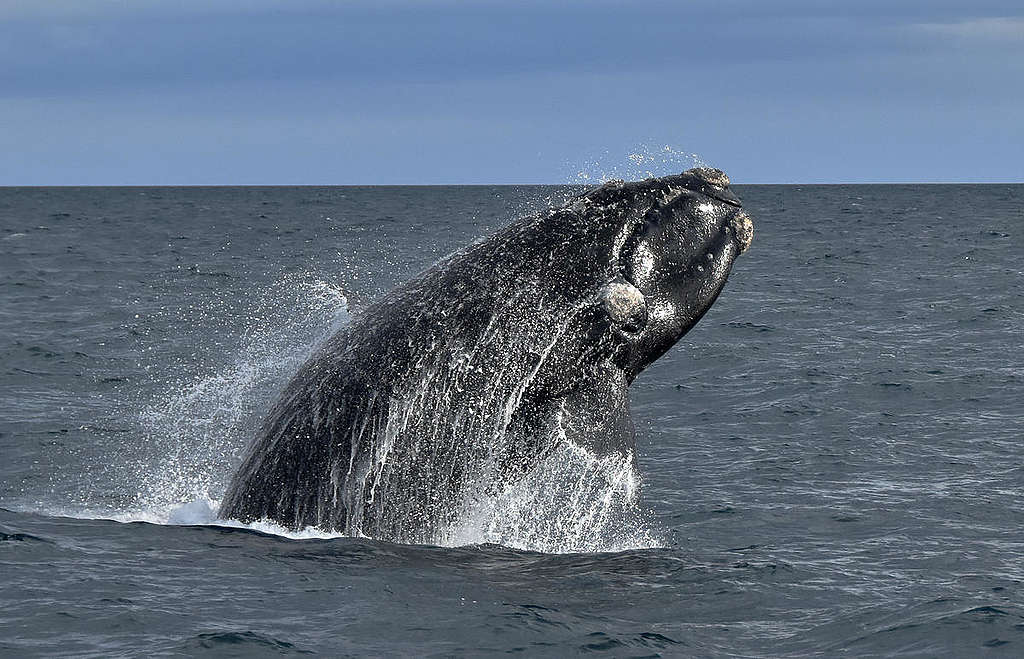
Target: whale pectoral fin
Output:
{"points": [[596, 414]]}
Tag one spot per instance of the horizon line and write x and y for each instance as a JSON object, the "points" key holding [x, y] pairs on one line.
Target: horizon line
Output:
{"points": [[465, 185]]}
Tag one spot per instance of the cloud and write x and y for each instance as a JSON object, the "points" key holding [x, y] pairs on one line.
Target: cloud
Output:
{"points": [[150, 44], [432, 91], [1005, 28]]}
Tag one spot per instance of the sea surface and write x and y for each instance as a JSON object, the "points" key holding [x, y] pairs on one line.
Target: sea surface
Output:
{"points": [[832, 461]]}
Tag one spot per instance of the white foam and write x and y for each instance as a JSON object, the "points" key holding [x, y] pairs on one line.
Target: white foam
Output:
{"points": [[197, 512]]}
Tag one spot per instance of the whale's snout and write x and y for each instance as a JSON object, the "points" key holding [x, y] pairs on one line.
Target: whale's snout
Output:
{"points": [[743, 228]]}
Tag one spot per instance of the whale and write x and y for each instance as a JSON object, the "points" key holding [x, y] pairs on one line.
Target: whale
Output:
{"points": [[458, 382]]}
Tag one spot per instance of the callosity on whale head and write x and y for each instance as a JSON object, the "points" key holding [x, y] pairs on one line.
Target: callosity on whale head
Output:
{"points": [[459, 383], [678, 255]]}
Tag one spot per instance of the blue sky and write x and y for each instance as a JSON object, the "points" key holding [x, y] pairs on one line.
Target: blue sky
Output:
{"points": [[491, 91]]}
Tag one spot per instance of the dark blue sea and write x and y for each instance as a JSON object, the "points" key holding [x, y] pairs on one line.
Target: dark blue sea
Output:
{"points": [[831, 462]]}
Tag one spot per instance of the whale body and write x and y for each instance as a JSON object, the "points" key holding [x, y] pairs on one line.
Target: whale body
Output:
{"points": [[459, 381]]}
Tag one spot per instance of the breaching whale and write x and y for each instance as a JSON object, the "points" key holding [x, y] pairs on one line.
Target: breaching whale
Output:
{"points": [[457, 382]]}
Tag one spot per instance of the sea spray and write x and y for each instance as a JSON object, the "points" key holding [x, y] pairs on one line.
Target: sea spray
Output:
{"points": [[642, 161], [195, 430], [573, 501]]}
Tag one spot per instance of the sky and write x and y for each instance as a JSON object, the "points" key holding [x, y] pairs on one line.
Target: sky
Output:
{"points": [[139, 92]]}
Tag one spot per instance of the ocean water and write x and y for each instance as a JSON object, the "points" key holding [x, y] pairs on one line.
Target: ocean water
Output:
{"points": [[831, 462]]}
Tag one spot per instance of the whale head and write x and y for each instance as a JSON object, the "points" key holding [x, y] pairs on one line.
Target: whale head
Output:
{"points": [[677, 250]]}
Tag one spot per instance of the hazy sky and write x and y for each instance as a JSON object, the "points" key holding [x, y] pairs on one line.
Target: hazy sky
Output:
{"points": [[502, 91]]}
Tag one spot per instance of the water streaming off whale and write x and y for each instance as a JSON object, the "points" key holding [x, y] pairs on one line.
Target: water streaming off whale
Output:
{"points": [[571, 501], [198, 424]]}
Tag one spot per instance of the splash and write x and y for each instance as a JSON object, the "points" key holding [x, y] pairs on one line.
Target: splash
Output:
{"points": [[199, 427], [573, 501], [195, 430], [644, 161]]}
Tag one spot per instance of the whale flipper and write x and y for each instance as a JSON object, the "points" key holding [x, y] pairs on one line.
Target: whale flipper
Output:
{"points": [[595, 415]]}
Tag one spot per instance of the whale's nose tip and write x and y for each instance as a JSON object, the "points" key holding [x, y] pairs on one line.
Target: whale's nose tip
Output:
{"points": [[743, 227]]}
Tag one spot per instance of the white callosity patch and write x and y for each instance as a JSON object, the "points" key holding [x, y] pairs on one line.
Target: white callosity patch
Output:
{"points": [[625, 304], [744, 228]]}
